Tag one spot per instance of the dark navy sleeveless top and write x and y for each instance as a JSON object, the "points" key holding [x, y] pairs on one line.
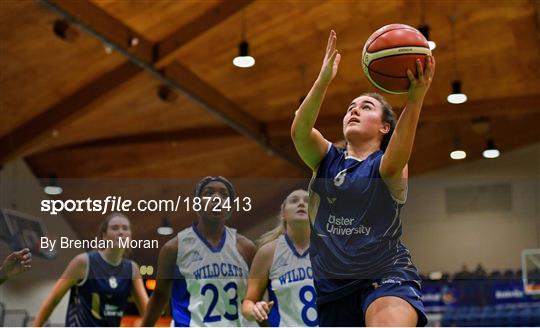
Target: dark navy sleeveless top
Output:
{"points": [[356, 229], [100, 299]]}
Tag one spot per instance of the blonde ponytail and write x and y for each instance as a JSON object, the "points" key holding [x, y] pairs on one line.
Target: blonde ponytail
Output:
{"points": [[273, 234]]}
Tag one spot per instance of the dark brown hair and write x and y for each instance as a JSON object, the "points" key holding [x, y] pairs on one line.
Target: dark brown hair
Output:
{"points": [[388, 116], [105, 223]]}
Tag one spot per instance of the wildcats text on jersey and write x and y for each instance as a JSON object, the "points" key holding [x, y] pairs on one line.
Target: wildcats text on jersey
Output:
{"points": [[217, 270], [294, 275]]}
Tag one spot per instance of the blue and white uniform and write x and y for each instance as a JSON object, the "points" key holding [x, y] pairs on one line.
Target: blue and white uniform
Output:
{"points": [[356, 230], [210, 282], [291, 287], [100, 298]]}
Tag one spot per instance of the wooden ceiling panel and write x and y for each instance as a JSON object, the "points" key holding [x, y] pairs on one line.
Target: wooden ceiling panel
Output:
{"points": [[284, 36], [133, 108], [155, 19], [486, 38], [38, 68], [233, 156]]}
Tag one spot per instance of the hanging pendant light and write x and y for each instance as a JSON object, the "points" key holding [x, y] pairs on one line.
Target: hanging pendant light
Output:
{"points": [[165, 229], [457, 96], [457, 153], [52, 188], [243, 60], [491, 151]]}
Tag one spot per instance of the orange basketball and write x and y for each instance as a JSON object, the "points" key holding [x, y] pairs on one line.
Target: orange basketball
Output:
{"points": [[389, 52]]}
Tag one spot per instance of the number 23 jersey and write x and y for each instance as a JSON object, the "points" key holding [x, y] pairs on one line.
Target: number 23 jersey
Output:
{"points": [[210, 282]]}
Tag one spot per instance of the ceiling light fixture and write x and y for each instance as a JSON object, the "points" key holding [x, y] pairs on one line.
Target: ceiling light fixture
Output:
{"points": [[491, 151], [165, 229], [457, 96], [52, 188], [243, 60]]}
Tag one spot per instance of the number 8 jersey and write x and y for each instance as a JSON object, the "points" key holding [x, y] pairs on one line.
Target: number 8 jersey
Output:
{"points": [[291, 287], [210, 282]]}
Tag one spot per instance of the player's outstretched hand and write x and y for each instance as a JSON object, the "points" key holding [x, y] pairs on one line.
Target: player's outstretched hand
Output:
{"points": [[331, 60], [16, 263], [421, 83]]}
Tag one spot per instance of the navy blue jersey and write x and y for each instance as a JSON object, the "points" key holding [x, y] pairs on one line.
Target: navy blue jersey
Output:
{"points": [[356, 229], [99, 300]]}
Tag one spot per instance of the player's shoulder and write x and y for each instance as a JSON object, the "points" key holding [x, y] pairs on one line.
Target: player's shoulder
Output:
{"points": [[170, 247], [265, 256], [81, 259], [246, 248], [244, 242], [269, 248]]}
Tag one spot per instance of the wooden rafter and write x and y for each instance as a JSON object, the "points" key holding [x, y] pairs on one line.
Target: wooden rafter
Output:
{"points": [[168, 48], [66, 110], [18, 142]]}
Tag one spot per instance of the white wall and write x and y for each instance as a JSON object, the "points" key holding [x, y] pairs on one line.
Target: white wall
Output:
{"points": [[441, 241], [21, 191]]}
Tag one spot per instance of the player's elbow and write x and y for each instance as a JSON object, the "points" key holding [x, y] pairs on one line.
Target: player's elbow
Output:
{"points": [[390, 170], [299, 131]]}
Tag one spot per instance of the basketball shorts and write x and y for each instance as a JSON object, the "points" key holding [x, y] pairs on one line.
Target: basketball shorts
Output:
{"points": [[350, 310]]}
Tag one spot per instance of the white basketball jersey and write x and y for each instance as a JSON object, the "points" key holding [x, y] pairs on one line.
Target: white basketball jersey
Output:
{"points": [[291, 287], [211, 281]]}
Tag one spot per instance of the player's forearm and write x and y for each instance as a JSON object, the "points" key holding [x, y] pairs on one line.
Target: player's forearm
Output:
{"points": [[401, 143], [155, 306], [44, 313], [307, 113]]}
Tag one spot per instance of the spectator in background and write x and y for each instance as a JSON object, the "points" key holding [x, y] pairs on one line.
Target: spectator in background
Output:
{"points": [[464, 273], [480, 272]]}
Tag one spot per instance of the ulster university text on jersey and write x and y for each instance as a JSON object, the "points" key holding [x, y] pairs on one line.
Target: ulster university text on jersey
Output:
{"points": [[356, 229]]}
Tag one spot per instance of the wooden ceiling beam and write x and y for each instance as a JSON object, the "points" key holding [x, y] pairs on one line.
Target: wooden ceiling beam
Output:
{"points": [[18, 142], [105, 27], [167, 49], [175, 75], [198, 133], [279, 130]]}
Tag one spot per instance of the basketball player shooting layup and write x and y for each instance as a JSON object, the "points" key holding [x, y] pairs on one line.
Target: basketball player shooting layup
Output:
{"points": [[363, 274], [205, 267]]}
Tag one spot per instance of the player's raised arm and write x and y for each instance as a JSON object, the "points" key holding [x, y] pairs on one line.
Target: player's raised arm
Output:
{"points": [[399, 148], [309, 142]]}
